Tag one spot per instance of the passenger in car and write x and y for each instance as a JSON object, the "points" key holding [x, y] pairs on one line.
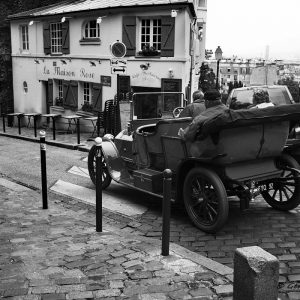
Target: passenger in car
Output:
{"points": [[261, 99], [196, 107], [214, 107]]}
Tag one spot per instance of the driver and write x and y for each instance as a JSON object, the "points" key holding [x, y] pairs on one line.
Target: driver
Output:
{"points": [[196, 107], [214, 107]]}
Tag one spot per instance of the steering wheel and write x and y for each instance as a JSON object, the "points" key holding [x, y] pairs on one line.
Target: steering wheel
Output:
{"points": [[176, 111]]}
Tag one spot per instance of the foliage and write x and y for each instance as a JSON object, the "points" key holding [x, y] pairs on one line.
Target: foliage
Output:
{"points": [[86, 106], [207, 78], [293, 87], [149, 51]]}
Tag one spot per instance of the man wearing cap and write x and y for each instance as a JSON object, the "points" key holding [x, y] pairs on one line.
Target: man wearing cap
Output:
{"points": [[214, 107], [196, 107]]}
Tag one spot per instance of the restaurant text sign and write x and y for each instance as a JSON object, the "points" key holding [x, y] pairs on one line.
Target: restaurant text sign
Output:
{"points": [[64, 72]]}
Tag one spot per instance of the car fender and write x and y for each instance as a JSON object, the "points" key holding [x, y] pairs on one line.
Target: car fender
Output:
{"points": [[115, 164]]}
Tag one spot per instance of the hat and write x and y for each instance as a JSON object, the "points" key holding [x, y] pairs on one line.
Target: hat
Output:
{"points": [[212, 95]]}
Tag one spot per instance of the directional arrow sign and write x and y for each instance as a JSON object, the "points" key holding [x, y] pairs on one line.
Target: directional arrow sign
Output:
{"points": [[118, 70]]}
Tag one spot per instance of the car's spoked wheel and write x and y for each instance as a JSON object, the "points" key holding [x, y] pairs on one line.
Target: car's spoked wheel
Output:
{"points": [[284, 192], [106, 179], [205, 199]]}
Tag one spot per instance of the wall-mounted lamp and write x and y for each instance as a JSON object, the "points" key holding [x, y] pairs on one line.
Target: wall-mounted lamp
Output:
{"points": [[173, 13], [99, 19], [69, 59], [200, 33], [171, 73], [36, 61], [63, 61], [92, 63], [31, 22], [145, 66], [63, 19]]}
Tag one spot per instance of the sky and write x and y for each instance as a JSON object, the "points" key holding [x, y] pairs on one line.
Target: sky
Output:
{"points": [[246, 28]]}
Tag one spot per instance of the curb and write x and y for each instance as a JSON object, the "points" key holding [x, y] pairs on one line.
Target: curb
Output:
{"points": [[80, 147]]}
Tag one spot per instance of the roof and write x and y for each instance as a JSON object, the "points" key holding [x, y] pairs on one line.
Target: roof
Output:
{"points": [[89, 5]]}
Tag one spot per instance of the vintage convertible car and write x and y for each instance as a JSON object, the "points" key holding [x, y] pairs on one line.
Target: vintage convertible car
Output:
{"points": [[237, 153]]}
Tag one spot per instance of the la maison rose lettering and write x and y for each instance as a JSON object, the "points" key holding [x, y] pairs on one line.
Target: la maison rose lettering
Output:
{"points": [[58, 71]]}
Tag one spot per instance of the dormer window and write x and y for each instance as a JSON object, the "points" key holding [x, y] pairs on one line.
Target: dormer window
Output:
{"points": [[92, 30], [90, 33]]}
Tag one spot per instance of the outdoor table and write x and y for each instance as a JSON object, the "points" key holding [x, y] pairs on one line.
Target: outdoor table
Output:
{"points": [[94, 124], [19, 116], [53, 117], [75, 119], [35, 116]]}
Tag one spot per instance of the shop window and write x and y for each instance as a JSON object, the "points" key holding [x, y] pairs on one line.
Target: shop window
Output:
{"points": [[56, 38], [155, 36], [24, 38], [25, 87], [86, 92]]}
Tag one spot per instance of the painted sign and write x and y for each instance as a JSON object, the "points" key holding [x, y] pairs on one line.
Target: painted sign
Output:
{"points": [[105, 80], [145, 78]]}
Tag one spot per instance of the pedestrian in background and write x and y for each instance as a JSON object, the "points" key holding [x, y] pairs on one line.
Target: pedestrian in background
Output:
{"points": [[196, 107]]}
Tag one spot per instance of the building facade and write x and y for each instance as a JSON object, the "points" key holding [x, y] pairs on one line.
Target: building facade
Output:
{"points": [[76, 55]]}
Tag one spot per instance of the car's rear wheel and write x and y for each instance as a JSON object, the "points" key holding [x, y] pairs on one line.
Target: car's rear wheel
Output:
{"points": [[106, 179], [205, 199], [285, 192]]}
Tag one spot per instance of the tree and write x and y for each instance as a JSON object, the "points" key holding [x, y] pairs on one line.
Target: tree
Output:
{"points": [[292, 85], [207, 78]]}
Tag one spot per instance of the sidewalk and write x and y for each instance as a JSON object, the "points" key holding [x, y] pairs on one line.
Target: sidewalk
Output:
{"points": [[57, 254]]}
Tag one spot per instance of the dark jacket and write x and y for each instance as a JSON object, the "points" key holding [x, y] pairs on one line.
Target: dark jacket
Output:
{"points": [[191, 130]]}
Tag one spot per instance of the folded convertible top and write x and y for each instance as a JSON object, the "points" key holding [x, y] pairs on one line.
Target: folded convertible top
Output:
{"points": [[247, 117]]}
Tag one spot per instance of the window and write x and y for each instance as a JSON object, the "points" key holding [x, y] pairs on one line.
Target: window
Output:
{"points": [[24, 38], [151, 34], [56, 38], [60, 89], [235, 77], [92, 29], [228, 70], [86, 92], [25, 87]]}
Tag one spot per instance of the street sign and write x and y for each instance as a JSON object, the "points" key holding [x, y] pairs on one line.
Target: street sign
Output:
{"points": [[118, 49], [119, 70], [118, 62]]}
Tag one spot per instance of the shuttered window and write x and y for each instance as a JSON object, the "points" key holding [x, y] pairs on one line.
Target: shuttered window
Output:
{"points": [[70, 91], [56, 38], [159, 33], [24, 37]]}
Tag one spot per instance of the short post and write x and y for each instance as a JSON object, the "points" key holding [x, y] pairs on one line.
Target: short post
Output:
{"points": [[34, 123], [256, 274], [166, 211], [19, 123], [78, 131], [98, 141], [98, 124], [43, 169], [53, 127], [3, 119]]}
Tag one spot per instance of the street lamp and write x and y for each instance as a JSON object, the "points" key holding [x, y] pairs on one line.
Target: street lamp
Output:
{"points": [[218, 57]]}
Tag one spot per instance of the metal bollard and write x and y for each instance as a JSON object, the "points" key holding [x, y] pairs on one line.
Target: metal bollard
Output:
{"points": [[43, 169], [78, 131], [3, 119], [19, 123], [99, 154], [166, 211], [98, 124]]}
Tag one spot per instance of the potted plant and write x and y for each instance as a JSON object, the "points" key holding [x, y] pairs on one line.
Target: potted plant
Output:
{"points": [[87, 106], [59, 101], [148, 51]]}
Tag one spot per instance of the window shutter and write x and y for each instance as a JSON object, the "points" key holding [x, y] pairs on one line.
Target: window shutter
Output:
{"points": [[46, 36], [50, 92], [167, 36], [70, 89], [97, 96], [65, 38], [129, 35]]}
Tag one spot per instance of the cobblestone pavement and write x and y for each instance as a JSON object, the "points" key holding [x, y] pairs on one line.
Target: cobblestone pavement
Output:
{"points": [[57, 254], [274, 231]]}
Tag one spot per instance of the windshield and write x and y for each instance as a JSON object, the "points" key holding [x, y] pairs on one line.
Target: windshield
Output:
{"points": [[244, 98]]}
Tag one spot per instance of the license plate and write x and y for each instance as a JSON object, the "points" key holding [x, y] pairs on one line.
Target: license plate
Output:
{"points": [[262, 187]]}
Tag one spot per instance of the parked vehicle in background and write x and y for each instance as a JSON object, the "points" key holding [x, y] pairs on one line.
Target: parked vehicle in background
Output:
{"points": [[241, 98]]}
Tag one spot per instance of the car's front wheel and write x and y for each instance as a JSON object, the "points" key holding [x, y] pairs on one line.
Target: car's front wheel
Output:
{"points": [[106, 179]]}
